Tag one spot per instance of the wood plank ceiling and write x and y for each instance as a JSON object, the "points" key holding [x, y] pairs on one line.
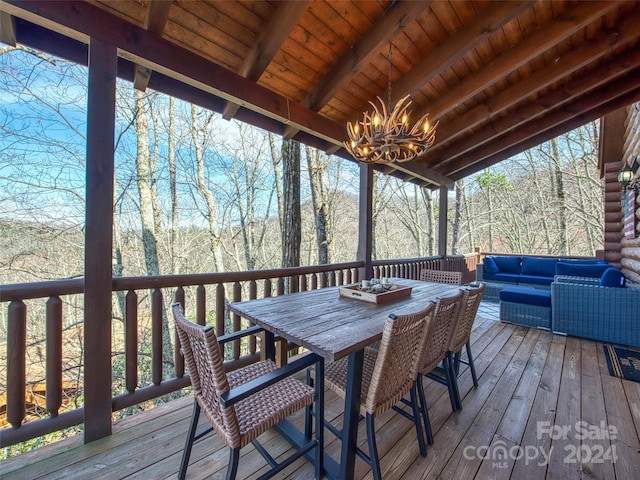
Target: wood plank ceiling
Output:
{"points": [[500, 76]]}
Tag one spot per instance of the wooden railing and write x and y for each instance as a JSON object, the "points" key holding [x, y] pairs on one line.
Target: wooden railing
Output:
{"points": [[143, 303]]}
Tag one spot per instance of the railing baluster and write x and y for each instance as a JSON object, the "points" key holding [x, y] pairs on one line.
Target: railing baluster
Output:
{"points": [[178, 358], [16, 368], [280, 286], [131, 341], [54, 355], [303, 283], [253, 294], [201, 305], [156, 336], [314, 281], [293, 284], [323, 279], [237, 297], [267, 287], [220, 308]]}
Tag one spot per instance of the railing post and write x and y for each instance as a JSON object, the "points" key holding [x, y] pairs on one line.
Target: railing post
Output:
{"points": [[365, 224], [101, 105]]}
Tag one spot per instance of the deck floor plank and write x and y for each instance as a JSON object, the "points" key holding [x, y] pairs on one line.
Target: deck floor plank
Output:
{"points": [[527, 378]]}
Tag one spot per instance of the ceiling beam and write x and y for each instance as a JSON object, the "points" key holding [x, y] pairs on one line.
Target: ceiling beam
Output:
{"points": [[271, 38], [531, 46], [375, 39], [7, 29], [154, 22], [574, 110], [468, 37], [553, 132], [160, 55], [562, 95], [568, 63]]}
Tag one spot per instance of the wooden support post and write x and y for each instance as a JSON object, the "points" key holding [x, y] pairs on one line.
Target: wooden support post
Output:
{"points": [[98, 239], [443, 223], [365, 222]]}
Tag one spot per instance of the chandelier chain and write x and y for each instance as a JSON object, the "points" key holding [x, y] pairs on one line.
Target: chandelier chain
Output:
{"points": [[390, 72]]}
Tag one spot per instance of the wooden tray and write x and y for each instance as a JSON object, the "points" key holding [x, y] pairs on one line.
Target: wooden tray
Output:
{"points": [[396, 291]]}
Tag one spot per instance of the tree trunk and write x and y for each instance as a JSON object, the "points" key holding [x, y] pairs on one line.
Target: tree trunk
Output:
{"points": [[320, 203], [176, 263], [560, 195], [457, 218], [292, 228], [147, 216], [214, 235]]}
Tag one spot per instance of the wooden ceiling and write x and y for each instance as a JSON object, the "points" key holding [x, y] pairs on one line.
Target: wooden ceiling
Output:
{"points": [[500, 76]]}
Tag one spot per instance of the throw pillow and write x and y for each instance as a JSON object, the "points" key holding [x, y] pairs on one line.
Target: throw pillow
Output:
{"points": [[612, 277], [508, 264], [490, 265]]}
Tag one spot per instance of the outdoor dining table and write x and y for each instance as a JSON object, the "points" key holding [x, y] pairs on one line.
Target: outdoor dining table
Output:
{"points": [[333, 327]]}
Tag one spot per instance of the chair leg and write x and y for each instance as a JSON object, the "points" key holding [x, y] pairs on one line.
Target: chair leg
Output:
{"points": [[234, 458], [373, 449], [452, 383], [417, 420], [423, 410], [456, 363], [308, 411], [472, 366], [191, 435], [319, 412]]}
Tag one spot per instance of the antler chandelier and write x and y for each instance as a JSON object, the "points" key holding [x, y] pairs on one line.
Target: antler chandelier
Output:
{"points": [[384, 136]]}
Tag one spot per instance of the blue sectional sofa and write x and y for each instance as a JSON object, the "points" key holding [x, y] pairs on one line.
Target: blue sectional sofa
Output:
{"points": [[499, 272], [600, 309]]}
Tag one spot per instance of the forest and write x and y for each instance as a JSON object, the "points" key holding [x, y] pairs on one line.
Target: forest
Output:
{"points": [[196, 193]]}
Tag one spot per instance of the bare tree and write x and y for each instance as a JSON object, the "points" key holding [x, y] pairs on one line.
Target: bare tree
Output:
{"points": [[291, 231], [317, 172]]}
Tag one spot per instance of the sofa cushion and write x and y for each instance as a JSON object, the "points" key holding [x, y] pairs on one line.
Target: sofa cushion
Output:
{"points": [[544, 267], [490, 265], [535, 279], [508, 264], [582, 261], [530, 296], [595, 270], [501, 277], [612, 277]]}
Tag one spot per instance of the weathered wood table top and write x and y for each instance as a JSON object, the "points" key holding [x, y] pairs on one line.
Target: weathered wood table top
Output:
{"points": [[330, 325]]}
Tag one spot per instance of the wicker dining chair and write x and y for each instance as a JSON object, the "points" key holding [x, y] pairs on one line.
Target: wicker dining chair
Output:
{"points": [[435, 361], [245, 403], [389, 374], [471, 298], [441, 276]]}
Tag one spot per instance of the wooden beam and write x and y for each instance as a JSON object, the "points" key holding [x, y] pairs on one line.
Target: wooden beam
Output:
{"points": [[575, 109], [154, 22], [271, 38], [101, 114], [568, 63], [7, 29], [552, 100], [375, 39], [365, 224], [160, 55], [557, 30], [468, 37], [557, 129]]}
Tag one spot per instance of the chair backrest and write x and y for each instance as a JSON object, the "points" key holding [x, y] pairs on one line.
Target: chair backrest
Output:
{"points": [[440, 333], [204, 360], [471, 298], [441, 276], [396, 365]]}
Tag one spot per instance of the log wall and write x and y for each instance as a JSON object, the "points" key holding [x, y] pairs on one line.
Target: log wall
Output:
{"points": [[620, 145], [630, 250]]}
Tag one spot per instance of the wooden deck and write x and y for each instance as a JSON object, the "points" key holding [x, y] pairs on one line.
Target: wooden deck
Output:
{"points": [[535, 388]]}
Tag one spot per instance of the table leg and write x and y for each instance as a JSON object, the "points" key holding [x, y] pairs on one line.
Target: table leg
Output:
{"points": [[269, 345], [351, 415]]}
